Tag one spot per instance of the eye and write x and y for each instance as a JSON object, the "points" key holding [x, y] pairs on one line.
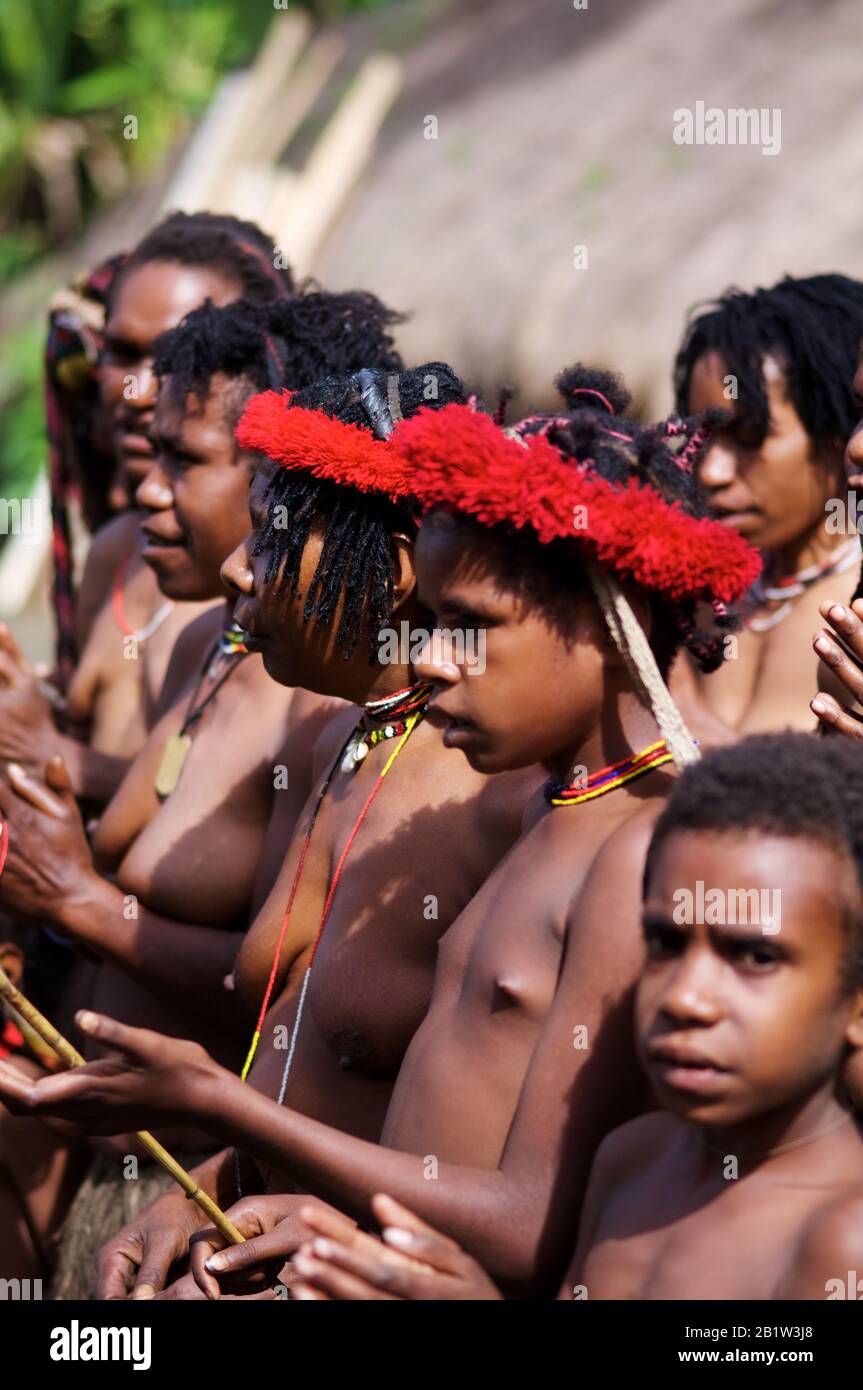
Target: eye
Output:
{"points": [[755, 956], [662, 941]]}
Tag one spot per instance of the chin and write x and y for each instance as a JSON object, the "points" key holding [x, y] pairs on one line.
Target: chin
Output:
{"points": [[276, 667]]}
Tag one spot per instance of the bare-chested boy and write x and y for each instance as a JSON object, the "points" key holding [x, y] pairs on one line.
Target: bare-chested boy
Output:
{"points": [[127, 627], [498, 1081], [781, 360], [748, 1183], [185, 855]]}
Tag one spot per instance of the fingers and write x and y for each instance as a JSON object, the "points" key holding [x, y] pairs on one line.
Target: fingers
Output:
{"points": [[9, 647], [335, 1277], [30, 789], [136, 1043], [57, 778], [404, 1231], [326, 1221], [15, 1090], [202, 1246], [116, 1275], [836, 716], [279, 1243]]}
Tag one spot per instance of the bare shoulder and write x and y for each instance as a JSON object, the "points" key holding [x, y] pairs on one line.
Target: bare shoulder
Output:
{"points": [[333, 736], [835, 1232], [632, 1147], [509, 796], [829, 1253], [112, 544]]}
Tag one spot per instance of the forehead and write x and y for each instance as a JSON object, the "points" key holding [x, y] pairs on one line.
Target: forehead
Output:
{"points": [[154, 297], [816, 882], [203, 419], [709, 381]]}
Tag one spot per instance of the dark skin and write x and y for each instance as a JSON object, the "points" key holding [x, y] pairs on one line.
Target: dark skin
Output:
{"points": [[114, 696], [773, 492], [743, 1035], [374, 971], [493, 1085]]}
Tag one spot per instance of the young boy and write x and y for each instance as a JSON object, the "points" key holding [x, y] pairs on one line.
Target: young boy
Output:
{"points": [[781, 361], [534, 537], [748, 1182]]}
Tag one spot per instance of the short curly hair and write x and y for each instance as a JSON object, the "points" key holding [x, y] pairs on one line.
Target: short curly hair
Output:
{"points": [[792, 785]]}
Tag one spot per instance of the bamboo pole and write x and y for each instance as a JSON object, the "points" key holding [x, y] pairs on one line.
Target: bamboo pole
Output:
{"points": [[72, 1058]]}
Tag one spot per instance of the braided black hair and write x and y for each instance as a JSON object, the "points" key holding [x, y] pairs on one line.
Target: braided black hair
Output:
{"points": [[290, 342], [812, 326], [355, 563], [216, 240], [793, 785], [617, 448]]}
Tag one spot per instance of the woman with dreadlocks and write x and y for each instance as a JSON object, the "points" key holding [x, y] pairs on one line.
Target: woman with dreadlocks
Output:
{"points": [[115, 640], [578, 547], [780, 362], [190, 844]]}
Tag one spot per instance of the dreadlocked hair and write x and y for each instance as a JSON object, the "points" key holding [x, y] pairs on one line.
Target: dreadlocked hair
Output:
{"points": [[291, 342], [218, 241], [355, 564], [598, 434], [812, 327], [792, 785]]}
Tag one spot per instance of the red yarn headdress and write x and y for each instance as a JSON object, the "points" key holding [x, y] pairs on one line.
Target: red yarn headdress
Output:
{"points": [[458, 458], [295, 437]]}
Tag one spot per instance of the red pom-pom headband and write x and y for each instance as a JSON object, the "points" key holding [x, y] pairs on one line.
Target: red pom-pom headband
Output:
{"points": [[458, 458], [294, 437]]}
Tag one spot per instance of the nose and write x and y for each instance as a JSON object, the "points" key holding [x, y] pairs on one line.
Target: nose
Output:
{"points": [[718, 468], [146, 385], [154, 493], [236, 572], [854, 452], [431, 664], [692, 996]]}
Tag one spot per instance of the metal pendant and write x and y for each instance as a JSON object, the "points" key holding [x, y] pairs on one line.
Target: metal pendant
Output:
{"points": [[171, 765]]}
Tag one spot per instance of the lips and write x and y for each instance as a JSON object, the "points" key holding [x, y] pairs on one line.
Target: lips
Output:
{"points": [[156, 540], [136, 445], [682, 1068]]}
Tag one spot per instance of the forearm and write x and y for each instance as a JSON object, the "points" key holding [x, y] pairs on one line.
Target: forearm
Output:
{"points": [[94, 776], [497, 1219], [185, 962]]}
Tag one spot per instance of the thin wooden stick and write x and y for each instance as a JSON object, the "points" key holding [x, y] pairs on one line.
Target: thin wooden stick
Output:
{"points": [[72, 1058]]}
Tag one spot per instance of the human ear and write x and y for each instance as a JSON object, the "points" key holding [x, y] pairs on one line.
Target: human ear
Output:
{"points": [[404, 574]]}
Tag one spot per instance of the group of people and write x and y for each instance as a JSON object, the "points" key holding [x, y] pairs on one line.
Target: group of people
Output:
{"points": [[397, 823]]}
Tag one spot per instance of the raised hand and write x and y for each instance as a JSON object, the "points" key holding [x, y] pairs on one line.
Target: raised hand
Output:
{"points": [[146, 1081], [847, 624]]}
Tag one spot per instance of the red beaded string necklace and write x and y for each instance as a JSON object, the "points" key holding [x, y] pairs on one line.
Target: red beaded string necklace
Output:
{"points": [[414, 699]]}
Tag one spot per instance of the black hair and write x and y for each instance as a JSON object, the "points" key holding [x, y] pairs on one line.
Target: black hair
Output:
{"points": [[355, 561], [812, 326], [218, 241], [793, 785], [596, 428], [290, 342]]}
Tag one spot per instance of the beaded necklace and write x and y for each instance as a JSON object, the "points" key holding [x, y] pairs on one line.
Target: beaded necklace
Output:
{"points": [[403, 702], [793, 585], [140, 634], [608, 778], [416, 697]]}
